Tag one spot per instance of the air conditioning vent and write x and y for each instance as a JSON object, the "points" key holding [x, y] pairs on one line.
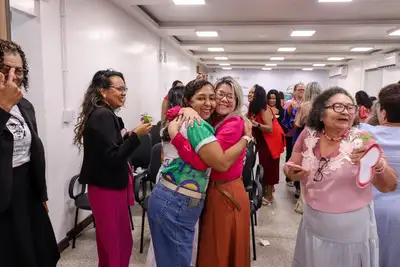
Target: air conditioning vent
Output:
{"points": [[339, 72]]}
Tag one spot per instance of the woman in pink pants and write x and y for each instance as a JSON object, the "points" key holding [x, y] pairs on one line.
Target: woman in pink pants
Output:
{"points": [[105, 169]]}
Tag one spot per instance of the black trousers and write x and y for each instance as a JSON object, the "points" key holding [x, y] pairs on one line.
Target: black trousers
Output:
{"points": [[26, 234]]}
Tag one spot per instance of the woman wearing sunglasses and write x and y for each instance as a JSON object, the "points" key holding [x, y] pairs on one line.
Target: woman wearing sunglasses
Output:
{"points": [[338, 227]]}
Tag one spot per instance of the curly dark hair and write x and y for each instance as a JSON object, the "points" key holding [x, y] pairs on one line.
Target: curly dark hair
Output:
{"points": [[389, 100], [318, 107], [363, 99], [190, 90], [259, 100], [9, 47], [93, 99], [175, 83]]}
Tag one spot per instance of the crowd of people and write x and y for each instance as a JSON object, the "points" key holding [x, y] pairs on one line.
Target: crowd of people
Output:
{"points": [[199, 211]]}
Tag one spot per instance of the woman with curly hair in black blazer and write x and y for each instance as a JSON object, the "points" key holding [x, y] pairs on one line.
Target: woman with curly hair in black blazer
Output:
{"points": [[26, 234]]}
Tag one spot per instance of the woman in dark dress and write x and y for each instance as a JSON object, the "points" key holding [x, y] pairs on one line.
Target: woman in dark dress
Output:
{"points": [[275, 102], [26, 234]]}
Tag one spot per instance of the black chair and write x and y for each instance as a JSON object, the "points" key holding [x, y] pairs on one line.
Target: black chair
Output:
{"points": [[141, 181], [140, 157], [248, 175], [155, 134], [255, 204], [81, 201]]}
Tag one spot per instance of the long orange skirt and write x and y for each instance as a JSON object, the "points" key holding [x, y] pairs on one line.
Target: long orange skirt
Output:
{"points": [[224, 239]]}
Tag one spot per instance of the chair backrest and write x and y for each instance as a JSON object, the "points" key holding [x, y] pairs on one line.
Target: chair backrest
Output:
{"points": [[248, 166], [155, 162], [141, 155], [71, 188], [260, 174], [252, 154], [257, 192], [155, 134]]}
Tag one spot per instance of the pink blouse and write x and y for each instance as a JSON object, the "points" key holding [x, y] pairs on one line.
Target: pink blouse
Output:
{"points": [[228, 133], [337, 191]]}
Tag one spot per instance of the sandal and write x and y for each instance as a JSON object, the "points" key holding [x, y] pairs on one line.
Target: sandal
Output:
{"points": [[265, 202]]}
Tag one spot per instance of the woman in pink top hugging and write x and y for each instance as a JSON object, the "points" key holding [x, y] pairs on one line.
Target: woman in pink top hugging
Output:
{"points": [[225, 224], [338, 227]]}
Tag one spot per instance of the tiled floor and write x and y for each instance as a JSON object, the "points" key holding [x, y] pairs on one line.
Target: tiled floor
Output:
{"points": [[277, 224]]}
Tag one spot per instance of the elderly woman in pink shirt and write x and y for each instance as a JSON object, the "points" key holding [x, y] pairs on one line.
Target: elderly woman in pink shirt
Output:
{"points": [[338, 227]]}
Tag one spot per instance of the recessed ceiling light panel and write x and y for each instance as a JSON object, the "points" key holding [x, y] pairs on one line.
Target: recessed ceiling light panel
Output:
{"points": [[207, 33], [226, 68], [395, 32], [277, 58], [287, 49], [266, 68], [189, 2], [224, 64], [220, 58], [216, 49], [303, 33], [319, 65], [335, 58], [361, 49], [334, 1], [271, 65], [308, 69]]}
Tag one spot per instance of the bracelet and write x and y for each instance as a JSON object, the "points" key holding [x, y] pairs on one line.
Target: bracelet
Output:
{"points": [[382, 168], [247, 138]]}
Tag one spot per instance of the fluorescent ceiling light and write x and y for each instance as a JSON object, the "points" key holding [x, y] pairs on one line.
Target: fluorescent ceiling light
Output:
{"points": [[277, 58], [287, 49], [361, 49], [303, 33], [215, 49], [220, 58], [270, 64], [226, 68], [335, 58], [394, 32], [334, 1], [207, 33], [189, 2], [319, 65], [224, 64], [266, 68], [308, 69]]}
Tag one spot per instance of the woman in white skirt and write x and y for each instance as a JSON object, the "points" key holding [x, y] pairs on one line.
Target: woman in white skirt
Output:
{"points": [[338, 228]]}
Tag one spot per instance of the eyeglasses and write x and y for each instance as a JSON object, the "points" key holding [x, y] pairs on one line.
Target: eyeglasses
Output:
{"points": [[19, 72], [220, 95], [17, 129], [323, 163], [120, 89], [339, 108]]}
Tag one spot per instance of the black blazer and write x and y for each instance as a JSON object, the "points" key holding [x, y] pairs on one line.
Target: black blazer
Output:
{"points": [[105, 152], [6, 155]]}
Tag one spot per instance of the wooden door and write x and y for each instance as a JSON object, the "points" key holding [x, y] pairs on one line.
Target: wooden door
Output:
{"points": [[5, 24]]}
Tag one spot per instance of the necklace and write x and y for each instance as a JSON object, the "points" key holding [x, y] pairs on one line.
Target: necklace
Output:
{"points": [[334, 139]]}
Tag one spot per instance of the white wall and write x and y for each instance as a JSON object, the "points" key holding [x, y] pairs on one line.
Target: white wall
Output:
{"points": [[98, 35], [274, 79], [371, 82]]}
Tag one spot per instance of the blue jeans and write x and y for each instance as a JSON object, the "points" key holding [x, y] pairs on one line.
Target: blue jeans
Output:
{"points": [[172, 219]]}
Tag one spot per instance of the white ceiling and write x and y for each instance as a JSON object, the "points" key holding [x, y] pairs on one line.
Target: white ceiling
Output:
{"points": [[251, 31]]}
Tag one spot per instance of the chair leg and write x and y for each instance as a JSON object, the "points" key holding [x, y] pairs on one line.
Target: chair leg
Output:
{"points": [[130, 217], [94, 222], [255, 218], [253, 238], [142, 232], [76, 224]]}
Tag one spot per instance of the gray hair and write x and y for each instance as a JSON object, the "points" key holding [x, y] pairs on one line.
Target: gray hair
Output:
{"points": [[313, 90], [237, 89]]}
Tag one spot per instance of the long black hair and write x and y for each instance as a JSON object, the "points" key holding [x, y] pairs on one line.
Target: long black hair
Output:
{"points": [[93, 99], [278, 97], [175, 95], [175, 83], [189, 91], [363, 99], [259, 100]]}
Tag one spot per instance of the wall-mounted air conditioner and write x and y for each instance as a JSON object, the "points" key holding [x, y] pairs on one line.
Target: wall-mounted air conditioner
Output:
{"points": [[338, 72], [389, 61]]}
